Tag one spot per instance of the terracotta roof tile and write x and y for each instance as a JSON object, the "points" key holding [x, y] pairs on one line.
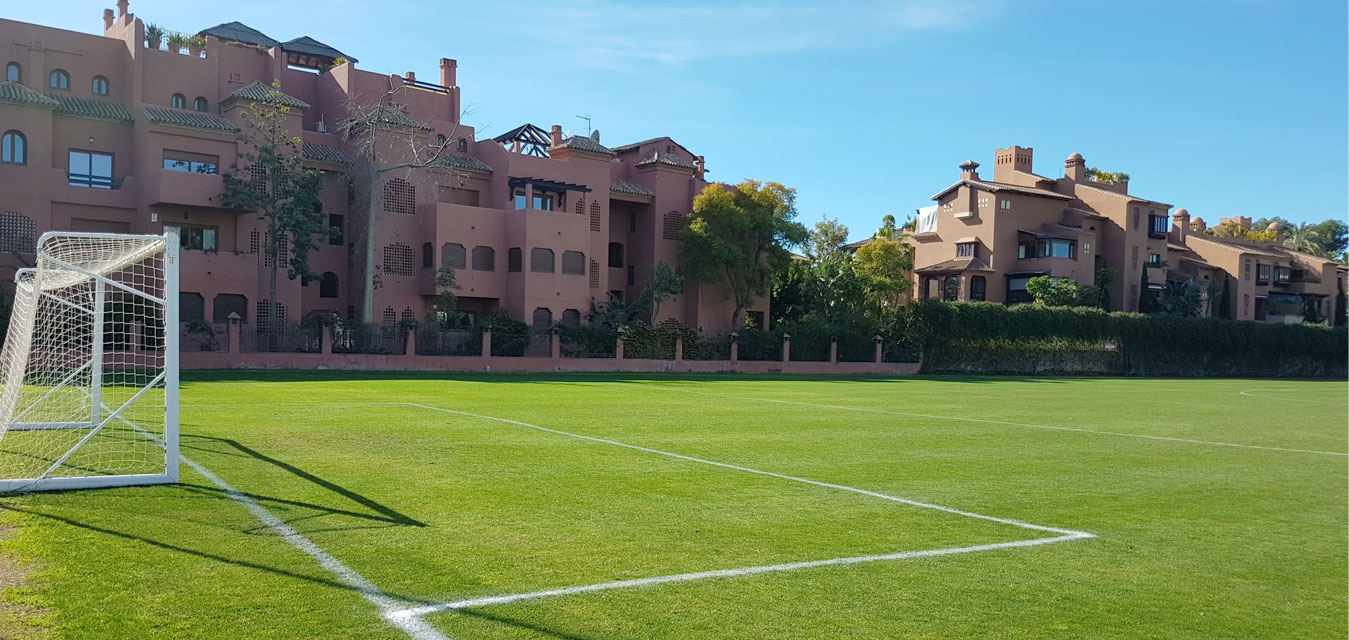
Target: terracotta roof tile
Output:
{"points": [[665, 158], [15, 93], [258, 92], [583, 143], [959, 264], [239, 32], [315, 152], [188, 119], [619, 185], [464, 163], [997, 187], [93, 109]]}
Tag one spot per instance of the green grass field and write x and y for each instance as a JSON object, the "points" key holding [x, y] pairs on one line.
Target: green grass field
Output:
{"points": [[1216, 509]]}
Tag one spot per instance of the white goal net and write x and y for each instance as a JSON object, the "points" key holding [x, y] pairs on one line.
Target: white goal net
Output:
{"points": [[90, 365]]}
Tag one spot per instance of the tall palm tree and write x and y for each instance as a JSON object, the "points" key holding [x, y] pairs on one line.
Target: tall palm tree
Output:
{"points": [[1305, 238]]}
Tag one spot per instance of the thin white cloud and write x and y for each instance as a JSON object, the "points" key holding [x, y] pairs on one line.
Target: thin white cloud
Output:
{"points": [[616, 35]]}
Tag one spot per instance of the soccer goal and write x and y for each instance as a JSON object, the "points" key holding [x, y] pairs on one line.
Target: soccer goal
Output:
{"points": [[90, 365]]}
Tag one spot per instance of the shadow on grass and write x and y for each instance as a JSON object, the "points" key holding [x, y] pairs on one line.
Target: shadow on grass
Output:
{"points": [[385, 514]]}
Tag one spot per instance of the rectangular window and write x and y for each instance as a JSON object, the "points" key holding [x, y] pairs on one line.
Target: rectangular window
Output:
{"points": [[1063, 249], [1262, 273], [965, 250], [194, 238], [335, 230], [1281, 275], [190, 162], [514, 260], [520, 201], [90, 169], [1026, 250], [632, 223], [428, 255], [1157, 226], [1154, 258], [543, 203]]}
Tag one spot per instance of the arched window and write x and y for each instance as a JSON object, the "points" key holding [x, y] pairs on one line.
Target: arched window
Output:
{"points": [[100, 86], [951, 289], [179, 101], [452, 255], [59, 79], [573, 263], [13, 72], [484, 259], [541, 260], [978, 289], [328, 285], [200, 104], [440, 141], [13, 148], [543, 318], [571, 318]]}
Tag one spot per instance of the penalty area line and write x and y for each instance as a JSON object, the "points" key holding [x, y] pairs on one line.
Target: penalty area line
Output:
{"points": [[419, 611]]}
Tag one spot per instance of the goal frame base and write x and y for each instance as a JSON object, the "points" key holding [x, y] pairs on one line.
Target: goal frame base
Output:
{"points": [[86, 482]]}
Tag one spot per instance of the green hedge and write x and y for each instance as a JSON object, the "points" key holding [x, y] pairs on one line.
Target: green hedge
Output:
{"points": [[992, 338]]}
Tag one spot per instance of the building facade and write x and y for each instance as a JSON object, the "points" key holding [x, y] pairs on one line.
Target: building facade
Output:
{"points": [[117, 133], [984, 239]]}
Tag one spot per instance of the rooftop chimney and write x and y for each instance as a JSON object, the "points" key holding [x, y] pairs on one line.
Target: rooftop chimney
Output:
{"points": [[122, 7], [1010, 160], [1075, 168], [108, 17], [1180, 226], [411, 77], [969, 170], [447, 72], [556, 135], [1197, 225], [701, 163]]}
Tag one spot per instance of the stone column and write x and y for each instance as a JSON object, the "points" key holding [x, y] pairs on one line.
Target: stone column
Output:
{"points": [[735, 347], [234, 332], [557, 346], [618, 345], [487, 343], [326, 342], [878, 340], [679, 349], [411, 349], [786, 347], [833, 351]]}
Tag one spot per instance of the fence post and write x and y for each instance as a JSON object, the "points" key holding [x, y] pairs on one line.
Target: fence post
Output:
{"points": [[234, 332], [557, 346], [735, 347], [833, 351], [618, 345], [786, 347], [411, 347], [326, 341], [679, 349], [487, 343], [878, 340]]}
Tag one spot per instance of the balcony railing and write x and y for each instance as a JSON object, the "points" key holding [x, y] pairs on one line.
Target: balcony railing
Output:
{"points": [[93, 181]]}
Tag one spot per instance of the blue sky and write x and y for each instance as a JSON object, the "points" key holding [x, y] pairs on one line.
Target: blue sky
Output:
{"points": [[866, 108]]}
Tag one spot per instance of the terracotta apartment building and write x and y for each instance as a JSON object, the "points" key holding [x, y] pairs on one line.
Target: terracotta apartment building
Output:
{"points": [[984, 239], [111, 133]]}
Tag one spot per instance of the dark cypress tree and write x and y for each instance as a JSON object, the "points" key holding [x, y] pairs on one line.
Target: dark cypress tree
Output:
{"points": [[1225, 304]]}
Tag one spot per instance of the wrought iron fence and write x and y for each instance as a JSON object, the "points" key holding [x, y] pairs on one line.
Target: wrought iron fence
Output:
{"points": [[281, 337], [204, 336], [369, 338], [432, 341]]}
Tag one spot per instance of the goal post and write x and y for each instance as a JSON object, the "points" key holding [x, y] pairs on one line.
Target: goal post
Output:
{"points": [[90, 365]]}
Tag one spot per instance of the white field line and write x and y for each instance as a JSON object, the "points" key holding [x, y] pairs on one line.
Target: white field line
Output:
{"points": [[1065, 535], [416, 612], [1012, 424], [415, 628], [1286, 398]]}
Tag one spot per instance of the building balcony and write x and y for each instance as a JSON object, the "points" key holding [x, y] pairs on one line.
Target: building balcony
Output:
{"points": [[93, 190], [183, 188]]}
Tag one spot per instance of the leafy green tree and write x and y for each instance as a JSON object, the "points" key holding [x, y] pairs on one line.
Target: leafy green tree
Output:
{"points": [[277, 187], [1333, 236], [826, 239], [664, 283], [1180, 299], [446, 303], [888, 229], [884, 264], [1053, 292], [737, 238], [1096, 175]]}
